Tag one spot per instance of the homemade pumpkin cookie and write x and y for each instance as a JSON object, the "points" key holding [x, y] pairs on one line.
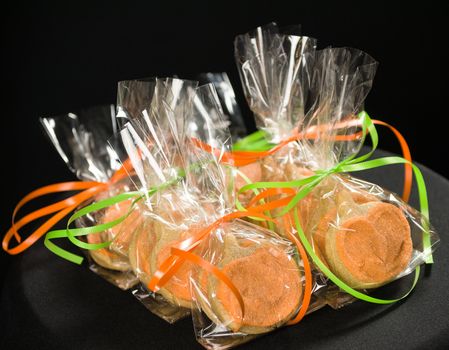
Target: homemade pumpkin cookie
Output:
{"points": [[268, 278], [172, 227], [370, 245]]}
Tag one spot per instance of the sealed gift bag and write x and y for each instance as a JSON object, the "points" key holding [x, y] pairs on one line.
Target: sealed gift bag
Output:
{"points": [[276, 72], [155, 144], [81, 140], [308, 102], [195, 193], [248, 279]]}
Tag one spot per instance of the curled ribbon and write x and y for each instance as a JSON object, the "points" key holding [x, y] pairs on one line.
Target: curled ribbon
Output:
{"points": [[60, 209], [239, 157], [255, 147]]}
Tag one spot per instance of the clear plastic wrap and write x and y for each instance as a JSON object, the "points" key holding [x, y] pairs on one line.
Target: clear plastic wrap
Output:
{"points": [[365, 235], [155, 144], [264, 267], [133, 96], [228, 102], [82, 141]]}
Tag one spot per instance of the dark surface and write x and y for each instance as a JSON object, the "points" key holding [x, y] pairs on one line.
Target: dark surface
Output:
{"points": [[47, 303]]}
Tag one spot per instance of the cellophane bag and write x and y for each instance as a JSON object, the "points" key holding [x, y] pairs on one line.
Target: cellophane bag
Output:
{"points": [[265, 268], [364, 234], [155, 145], [82, 142]]}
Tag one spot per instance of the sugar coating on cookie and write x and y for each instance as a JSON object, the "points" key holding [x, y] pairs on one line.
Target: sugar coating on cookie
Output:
{"points": [[269, 283], [376, 247], [390, 222]]}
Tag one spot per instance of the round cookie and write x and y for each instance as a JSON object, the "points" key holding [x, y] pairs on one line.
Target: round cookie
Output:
{"points": [[106, 258], [391, 223], [122, 233], [177, 290], [140, 250], [268, 279], [369, 250], [320, 233]]}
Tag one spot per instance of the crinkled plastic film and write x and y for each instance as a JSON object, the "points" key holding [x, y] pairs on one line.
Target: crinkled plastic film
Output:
{"points": [[266, 270], [159, 148], [133, 96], [155, 144], [228, 102], [366, 235], [81, 141]]}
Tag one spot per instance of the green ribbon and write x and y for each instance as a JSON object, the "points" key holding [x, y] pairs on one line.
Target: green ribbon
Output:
{"points": [[73, 233], [257, 141]]}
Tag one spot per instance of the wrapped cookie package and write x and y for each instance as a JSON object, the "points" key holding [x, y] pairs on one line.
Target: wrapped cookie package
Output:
{"points": [[196, 201], [265, 268], [364, 234], [154, 143], [82, 142]]}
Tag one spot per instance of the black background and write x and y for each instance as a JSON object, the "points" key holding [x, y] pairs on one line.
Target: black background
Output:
{"points": [[61, 56]]}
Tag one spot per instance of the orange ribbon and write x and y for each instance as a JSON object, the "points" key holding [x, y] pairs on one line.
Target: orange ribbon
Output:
{"points": [[90, 189], [61, 209], [242, 158]]}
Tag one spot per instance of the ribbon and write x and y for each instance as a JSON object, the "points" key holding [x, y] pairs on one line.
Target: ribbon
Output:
{"points": [[250, 149], [73, 233], [255, 146], [60, 209], [181, 251]]}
